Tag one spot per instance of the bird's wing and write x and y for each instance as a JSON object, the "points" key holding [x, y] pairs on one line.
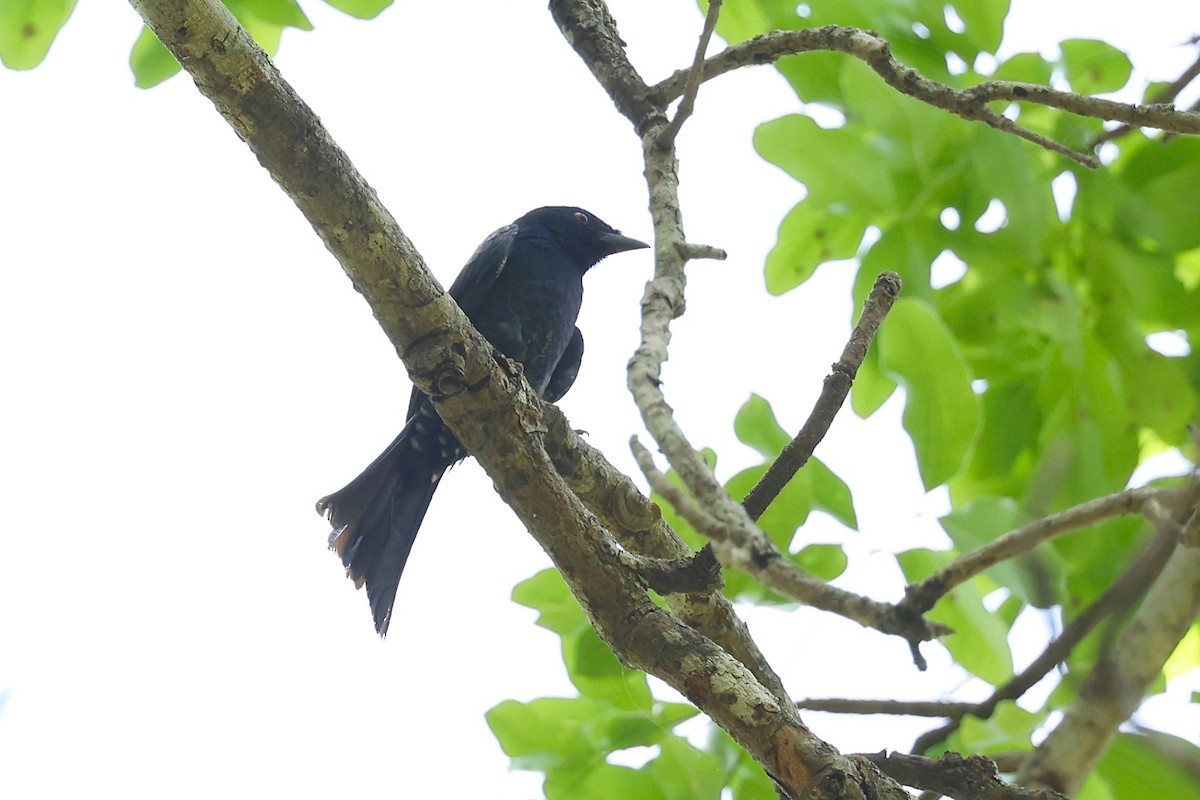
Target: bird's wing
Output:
{"points": [[566, 370], [472, 286]]}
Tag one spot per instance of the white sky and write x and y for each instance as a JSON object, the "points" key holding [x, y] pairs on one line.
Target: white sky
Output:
{"points": [[186, 371]]}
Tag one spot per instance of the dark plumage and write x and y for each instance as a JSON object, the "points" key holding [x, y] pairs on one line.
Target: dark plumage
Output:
{"points": [[522, 290]]}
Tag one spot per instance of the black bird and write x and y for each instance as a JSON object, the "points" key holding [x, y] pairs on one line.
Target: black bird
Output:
{"points": [[522, 290]]}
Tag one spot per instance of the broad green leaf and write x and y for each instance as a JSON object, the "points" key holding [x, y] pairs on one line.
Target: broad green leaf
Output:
{"points": [[830, 493], [941, 412], [745, 777], [150, 61], [597, 673], [1186, 657], [602, 782], [980, 639], [281, 13], [984, 21], [1157, 765], [547, 593], [684, 772], [1093, 66], [362, 9], [872, 387], [547, 732], [28, 28], [1009, 728], [1024, 67], [808, 237], [264, 20], [755, 425], [836, 179], [825, 561]]}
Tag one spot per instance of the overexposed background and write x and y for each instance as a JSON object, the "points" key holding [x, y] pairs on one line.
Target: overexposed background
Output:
{"points": [[186, 370]]}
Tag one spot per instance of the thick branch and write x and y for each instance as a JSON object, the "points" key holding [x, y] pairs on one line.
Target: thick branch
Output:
{"points": [[952, 775], [1117, 684]]}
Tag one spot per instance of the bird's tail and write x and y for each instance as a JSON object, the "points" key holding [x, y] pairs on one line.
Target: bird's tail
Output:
{"points": [[376, 517]]}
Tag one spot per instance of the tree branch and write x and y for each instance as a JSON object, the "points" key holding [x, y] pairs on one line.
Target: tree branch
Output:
{"points": [[837, 385], [1117, 684], [967, 103], [897, 708], [1123, 594], [746, 547], [692, 85], [1165, 95], [920, 597], [952, 775]]}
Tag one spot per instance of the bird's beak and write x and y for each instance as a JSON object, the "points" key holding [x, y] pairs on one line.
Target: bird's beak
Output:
{"points": [[616, 243]]}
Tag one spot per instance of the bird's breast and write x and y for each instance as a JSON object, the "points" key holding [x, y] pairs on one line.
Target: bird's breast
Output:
{"points": [[530, 319]]}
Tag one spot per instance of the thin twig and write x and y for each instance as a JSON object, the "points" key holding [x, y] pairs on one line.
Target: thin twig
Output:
{"points": [[837, 385], [920, 597], [898, 708], [1165, 95], [666, 138]]}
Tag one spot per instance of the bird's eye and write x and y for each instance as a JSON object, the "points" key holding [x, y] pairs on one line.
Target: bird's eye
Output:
{"points": [[582, 218]]}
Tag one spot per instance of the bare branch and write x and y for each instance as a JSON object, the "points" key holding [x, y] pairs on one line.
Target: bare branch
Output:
{"points": [[920, 597], [1165, 95], [1118, 683], [1122, 595], [966, 103], [666, 139], [748, 548], [837, 385], [898, 708], [952, 775]]}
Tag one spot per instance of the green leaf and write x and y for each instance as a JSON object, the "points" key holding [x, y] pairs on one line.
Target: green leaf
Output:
{"points": [[547, 593], [28, 28], [1093, 66], [980, 639], [1009, 728], [1157, 765], [808, 237], [363, 9], [830, 493], [602, 782], [837, 179], [684, 772], [150, 61], [548, 732], [872, 387], [755, 425], [280, 13], [984, 21], [825, 561], [941, 412], [1024, 67], [597, 673], [1186, 657]]}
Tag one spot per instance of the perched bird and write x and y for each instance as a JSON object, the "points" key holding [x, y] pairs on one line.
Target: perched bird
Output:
{"points": [[522, 290]]}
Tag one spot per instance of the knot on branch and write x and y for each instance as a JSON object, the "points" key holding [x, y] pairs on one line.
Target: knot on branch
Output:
{"points": [[700, 574]]}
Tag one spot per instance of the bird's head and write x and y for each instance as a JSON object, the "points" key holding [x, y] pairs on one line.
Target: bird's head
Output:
{"points": [[584, 235]]}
